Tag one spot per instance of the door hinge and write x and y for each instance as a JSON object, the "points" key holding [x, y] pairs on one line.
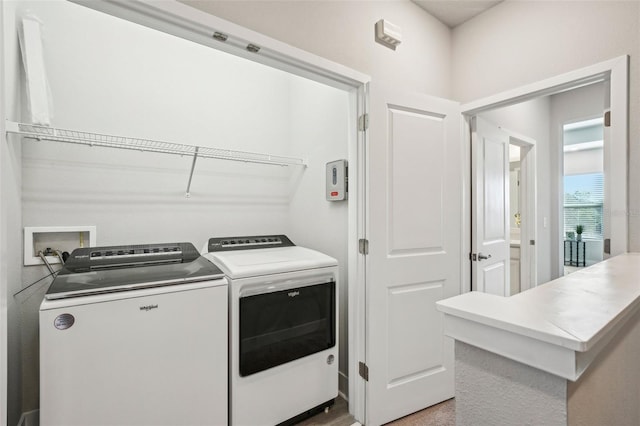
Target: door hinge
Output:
{"points": [[363, 246], [363, 122], [607, 119], [363, 370], [607, 246]]}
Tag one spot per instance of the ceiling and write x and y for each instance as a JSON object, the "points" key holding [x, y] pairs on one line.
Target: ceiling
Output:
{"points": [[455, 12]]}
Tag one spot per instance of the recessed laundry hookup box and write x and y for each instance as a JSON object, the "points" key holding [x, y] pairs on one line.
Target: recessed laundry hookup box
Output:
{"points": [[48, 239]]}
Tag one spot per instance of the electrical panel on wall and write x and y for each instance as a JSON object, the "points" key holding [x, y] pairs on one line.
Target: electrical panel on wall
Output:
{"points": [[337, 180]]}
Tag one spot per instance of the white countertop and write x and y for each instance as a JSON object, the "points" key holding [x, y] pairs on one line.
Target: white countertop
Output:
{"points": [[576, 314]]}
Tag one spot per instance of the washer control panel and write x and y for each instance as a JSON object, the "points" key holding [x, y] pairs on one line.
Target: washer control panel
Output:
{"points": [[129, 256], [248, 243]]}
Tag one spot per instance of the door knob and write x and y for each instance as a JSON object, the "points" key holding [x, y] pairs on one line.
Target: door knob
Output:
{"points": [[483, 257]]}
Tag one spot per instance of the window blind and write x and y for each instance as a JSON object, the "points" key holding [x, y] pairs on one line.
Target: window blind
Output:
{"points": [[583, 204]]}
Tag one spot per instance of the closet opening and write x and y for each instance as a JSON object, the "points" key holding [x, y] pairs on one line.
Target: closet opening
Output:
{"points": [[159, 75]]}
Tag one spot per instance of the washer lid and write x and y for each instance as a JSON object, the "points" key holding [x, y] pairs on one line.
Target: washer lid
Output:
{"points": [[257, 262], [121, 268]]}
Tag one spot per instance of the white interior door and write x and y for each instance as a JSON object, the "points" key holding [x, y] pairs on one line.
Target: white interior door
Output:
{"points": [[415, 204], [489, 208]]}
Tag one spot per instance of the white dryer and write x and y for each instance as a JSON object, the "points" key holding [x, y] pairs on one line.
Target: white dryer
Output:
{"points": [[283, 347], [135, 335]]}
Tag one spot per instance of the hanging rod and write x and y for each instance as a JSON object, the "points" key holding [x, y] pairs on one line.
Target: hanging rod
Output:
{"points": [[37, 132]]}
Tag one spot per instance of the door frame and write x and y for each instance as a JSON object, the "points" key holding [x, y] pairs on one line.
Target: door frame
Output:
{"points": [[606, 220], [197, 26], [616, 72], [528, 186]]}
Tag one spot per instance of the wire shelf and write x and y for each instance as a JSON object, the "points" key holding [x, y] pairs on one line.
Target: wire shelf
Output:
{"points": [[37, 132]]}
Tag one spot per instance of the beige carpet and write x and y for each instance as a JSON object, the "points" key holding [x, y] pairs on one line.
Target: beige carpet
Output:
{"points": [[443, 414]]}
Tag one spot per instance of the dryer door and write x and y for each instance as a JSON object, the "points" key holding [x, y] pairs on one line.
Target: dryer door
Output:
{"points": [[280, 326]]}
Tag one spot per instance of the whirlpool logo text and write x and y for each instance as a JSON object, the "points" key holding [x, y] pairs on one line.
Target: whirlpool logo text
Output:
{"points": [[148, 307]]}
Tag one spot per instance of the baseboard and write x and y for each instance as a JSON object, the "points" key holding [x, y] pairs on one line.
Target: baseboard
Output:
{"points": [[30, 418]]}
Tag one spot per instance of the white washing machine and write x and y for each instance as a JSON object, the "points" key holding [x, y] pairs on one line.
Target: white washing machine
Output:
{"points": [[283, 347], [135, 335]]}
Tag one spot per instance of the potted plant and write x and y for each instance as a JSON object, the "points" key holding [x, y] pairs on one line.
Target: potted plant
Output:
{"points": [[579, 232]]}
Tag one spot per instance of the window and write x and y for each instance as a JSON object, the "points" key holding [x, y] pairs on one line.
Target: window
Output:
{"points": [[583, 201]]}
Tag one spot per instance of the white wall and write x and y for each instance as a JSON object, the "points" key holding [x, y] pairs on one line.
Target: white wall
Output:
{"points": [[143, 83], [4, 327], [520, 42], [111, 76], [10, 181], [3, 247], [343, 31], [531, 119], [320, 135]]}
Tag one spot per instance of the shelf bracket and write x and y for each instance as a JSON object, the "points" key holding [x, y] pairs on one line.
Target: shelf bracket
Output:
{"points": [[193, 166]]}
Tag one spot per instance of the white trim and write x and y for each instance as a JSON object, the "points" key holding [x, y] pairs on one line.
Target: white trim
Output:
{"points": [[30, 418], [357, 275], [342, 378], [528, 186], [550, 86], [619, 135], [616, 72], [191, 24], [466, 265]]}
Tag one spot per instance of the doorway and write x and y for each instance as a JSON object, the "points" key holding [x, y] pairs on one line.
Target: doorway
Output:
{"points": [[583, 194], [503, 212], [515, 220], [173, 19], [523, 213], [611, 75]]}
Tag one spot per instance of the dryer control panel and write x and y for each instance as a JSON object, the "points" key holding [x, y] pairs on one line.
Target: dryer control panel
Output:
{"points": [[248, 243]]}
